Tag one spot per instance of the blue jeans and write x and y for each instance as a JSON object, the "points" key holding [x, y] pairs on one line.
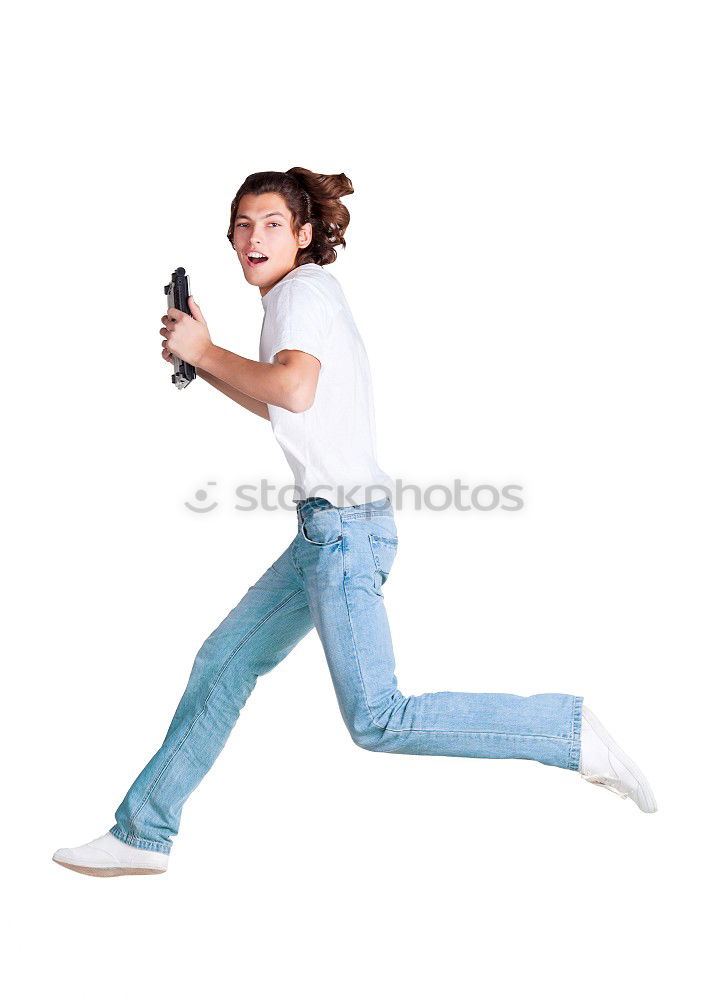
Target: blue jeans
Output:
{"points": [[331, 576]]}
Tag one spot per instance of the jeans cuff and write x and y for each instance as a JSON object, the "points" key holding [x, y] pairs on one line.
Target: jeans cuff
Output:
{"points": [[146, 845], [575, 748]]}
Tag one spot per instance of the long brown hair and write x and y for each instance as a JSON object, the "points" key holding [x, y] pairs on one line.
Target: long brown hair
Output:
{"points": [[310, 197]]}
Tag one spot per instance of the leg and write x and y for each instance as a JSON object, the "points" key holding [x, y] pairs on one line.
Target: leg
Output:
{"points": [[269, 620], [344, 556]]}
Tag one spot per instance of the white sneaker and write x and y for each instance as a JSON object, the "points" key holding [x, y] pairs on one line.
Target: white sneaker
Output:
{"points": [[604, 763], [107, 855]]}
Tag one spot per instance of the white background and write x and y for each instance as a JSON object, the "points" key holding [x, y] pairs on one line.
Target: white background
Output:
{"points": [[526, 263]]}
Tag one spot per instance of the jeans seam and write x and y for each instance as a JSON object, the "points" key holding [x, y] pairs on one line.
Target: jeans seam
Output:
{"points": [[479, 732], [293, 560], [354, 643], [201, 712]]}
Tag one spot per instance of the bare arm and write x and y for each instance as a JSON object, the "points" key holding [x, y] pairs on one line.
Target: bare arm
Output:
{"points": [[289, 382], [248, 402]]}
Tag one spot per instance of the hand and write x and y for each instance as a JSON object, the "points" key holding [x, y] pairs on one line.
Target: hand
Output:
{"points": [[186, 337]]}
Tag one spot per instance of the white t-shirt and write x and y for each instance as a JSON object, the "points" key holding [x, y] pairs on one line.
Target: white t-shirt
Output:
{"points": [[331, 447]]}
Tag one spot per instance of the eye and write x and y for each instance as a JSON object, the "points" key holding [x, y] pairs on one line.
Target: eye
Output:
{"points": [[274, 223]]}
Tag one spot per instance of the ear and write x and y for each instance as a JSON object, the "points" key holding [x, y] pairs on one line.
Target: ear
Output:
{"points": [[305, 236]]}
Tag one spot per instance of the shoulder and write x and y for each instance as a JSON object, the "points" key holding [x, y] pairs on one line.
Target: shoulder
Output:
{"points": [[316, 277], [310, 287]]}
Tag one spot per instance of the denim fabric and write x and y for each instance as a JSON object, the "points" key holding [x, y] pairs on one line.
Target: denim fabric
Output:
{"points": [[331, 577]]}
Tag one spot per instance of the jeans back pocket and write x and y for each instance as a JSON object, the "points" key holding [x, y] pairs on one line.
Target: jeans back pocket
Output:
{"points": [[383, 553]]}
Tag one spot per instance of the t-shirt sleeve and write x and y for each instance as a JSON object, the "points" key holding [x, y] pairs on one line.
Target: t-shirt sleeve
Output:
{"points": [[301, 321]]}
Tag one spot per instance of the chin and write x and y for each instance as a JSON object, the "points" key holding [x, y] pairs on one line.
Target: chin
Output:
{"points": [[252, 277]]}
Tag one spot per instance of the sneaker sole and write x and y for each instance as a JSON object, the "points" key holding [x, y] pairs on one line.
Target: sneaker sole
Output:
{"points": [[645, 791], [109, 872]]}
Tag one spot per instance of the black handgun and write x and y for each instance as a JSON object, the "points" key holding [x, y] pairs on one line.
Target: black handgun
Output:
{"points": [[177, 292]]}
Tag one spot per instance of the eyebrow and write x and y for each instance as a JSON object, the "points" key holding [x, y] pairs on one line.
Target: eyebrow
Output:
{"points": [[267, 216]]}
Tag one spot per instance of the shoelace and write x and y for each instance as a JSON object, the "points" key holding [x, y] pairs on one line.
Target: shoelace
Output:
{"points": [[605, 782]]}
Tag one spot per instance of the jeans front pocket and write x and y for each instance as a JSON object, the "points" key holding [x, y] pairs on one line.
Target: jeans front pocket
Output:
{"points": [[322, 532]]}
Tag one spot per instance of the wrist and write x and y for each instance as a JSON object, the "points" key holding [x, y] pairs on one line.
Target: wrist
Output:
{"points": [[207, 358]]}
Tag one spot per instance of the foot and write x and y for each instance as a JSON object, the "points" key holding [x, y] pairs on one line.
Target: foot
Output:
{"points": [[604, 763], [107, 855]]}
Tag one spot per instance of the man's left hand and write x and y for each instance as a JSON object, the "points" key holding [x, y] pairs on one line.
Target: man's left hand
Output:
{"points": [[186, 337]]}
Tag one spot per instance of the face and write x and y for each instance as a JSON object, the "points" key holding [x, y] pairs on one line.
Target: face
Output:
{"points": [[263, 225]]}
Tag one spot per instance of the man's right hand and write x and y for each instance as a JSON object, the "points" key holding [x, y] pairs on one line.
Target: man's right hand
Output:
{"points": [[165, 353]]}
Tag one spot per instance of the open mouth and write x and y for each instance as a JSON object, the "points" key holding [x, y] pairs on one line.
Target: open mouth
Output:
{"points": [[255, 259]]}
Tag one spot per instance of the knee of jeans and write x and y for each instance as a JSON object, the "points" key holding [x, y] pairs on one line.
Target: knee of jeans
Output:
{"points": [[367, 736]]}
